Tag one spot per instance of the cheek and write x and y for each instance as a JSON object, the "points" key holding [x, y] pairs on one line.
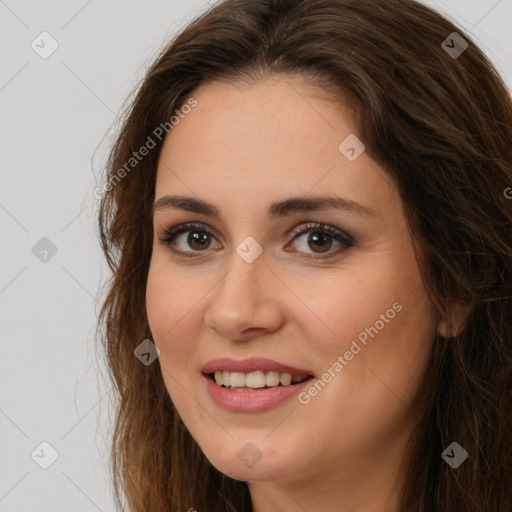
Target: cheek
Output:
{"points": [[382, 319], [159, 302], [169, 312], [169, 305], [342, 310]]}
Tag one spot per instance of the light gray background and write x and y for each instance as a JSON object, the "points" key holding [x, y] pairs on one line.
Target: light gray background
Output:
{"points": [[54, 114]]}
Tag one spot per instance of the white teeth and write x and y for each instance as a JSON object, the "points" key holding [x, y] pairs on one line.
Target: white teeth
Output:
{"points": [[285, 379], [255, 380], [239, 381], [272, 379]]}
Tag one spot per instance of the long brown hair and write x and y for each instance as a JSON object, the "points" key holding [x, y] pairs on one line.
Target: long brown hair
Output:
{"points": [[441, 125]]}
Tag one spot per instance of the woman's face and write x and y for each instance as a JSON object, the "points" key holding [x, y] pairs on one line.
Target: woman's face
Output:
{"points": [[253, 280]]}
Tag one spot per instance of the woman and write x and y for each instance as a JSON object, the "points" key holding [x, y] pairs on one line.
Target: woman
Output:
{"points": [[306, 217]]}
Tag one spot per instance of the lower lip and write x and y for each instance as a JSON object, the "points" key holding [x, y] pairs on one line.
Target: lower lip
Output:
{"points": [[252, 401]]}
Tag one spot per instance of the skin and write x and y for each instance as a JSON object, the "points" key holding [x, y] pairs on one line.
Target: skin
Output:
{"points": [[241, 148]]}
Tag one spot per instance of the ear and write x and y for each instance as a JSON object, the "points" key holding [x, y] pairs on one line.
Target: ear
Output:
{"points": [[452, 325]]}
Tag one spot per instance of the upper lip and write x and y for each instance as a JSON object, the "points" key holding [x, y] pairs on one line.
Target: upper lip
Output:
{"points": [[252, 364]]}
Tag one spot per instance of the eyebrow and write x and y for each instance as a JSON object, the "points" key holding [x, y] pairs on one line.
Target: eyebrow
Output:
{"points": [[276, 209]]}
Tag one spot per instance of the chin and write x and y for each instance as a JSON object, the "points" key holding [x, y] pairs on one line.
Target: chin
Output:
{"points": [[257, 461]]}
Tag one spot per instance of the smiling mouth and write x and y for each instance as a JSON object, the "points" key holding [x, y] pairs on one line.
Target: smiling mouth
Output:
{"points": [[257, 380]]}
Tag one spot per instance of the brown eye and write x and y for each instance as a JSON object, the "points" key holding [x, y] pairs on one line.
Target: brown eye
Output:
{"points": [[198, 239], [320, 240]]}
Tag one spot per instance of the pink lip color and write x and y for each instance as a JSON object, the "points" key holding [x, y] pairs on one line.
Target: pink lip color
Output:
{"points": [[251, 401], [252, 364]]}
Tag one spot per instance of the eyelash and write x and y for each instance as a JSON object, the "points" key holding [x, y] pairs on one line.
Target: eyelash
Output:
{"points": [[170, 234]]}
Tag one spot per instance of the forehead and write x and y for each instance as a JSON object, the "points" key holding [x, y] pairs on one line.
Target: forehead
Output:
{"points": [[274, 137]]}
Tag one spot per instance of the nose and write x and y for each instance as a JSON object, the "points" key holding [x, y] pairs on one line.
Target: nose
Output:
{"points": [[245, 303]]}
